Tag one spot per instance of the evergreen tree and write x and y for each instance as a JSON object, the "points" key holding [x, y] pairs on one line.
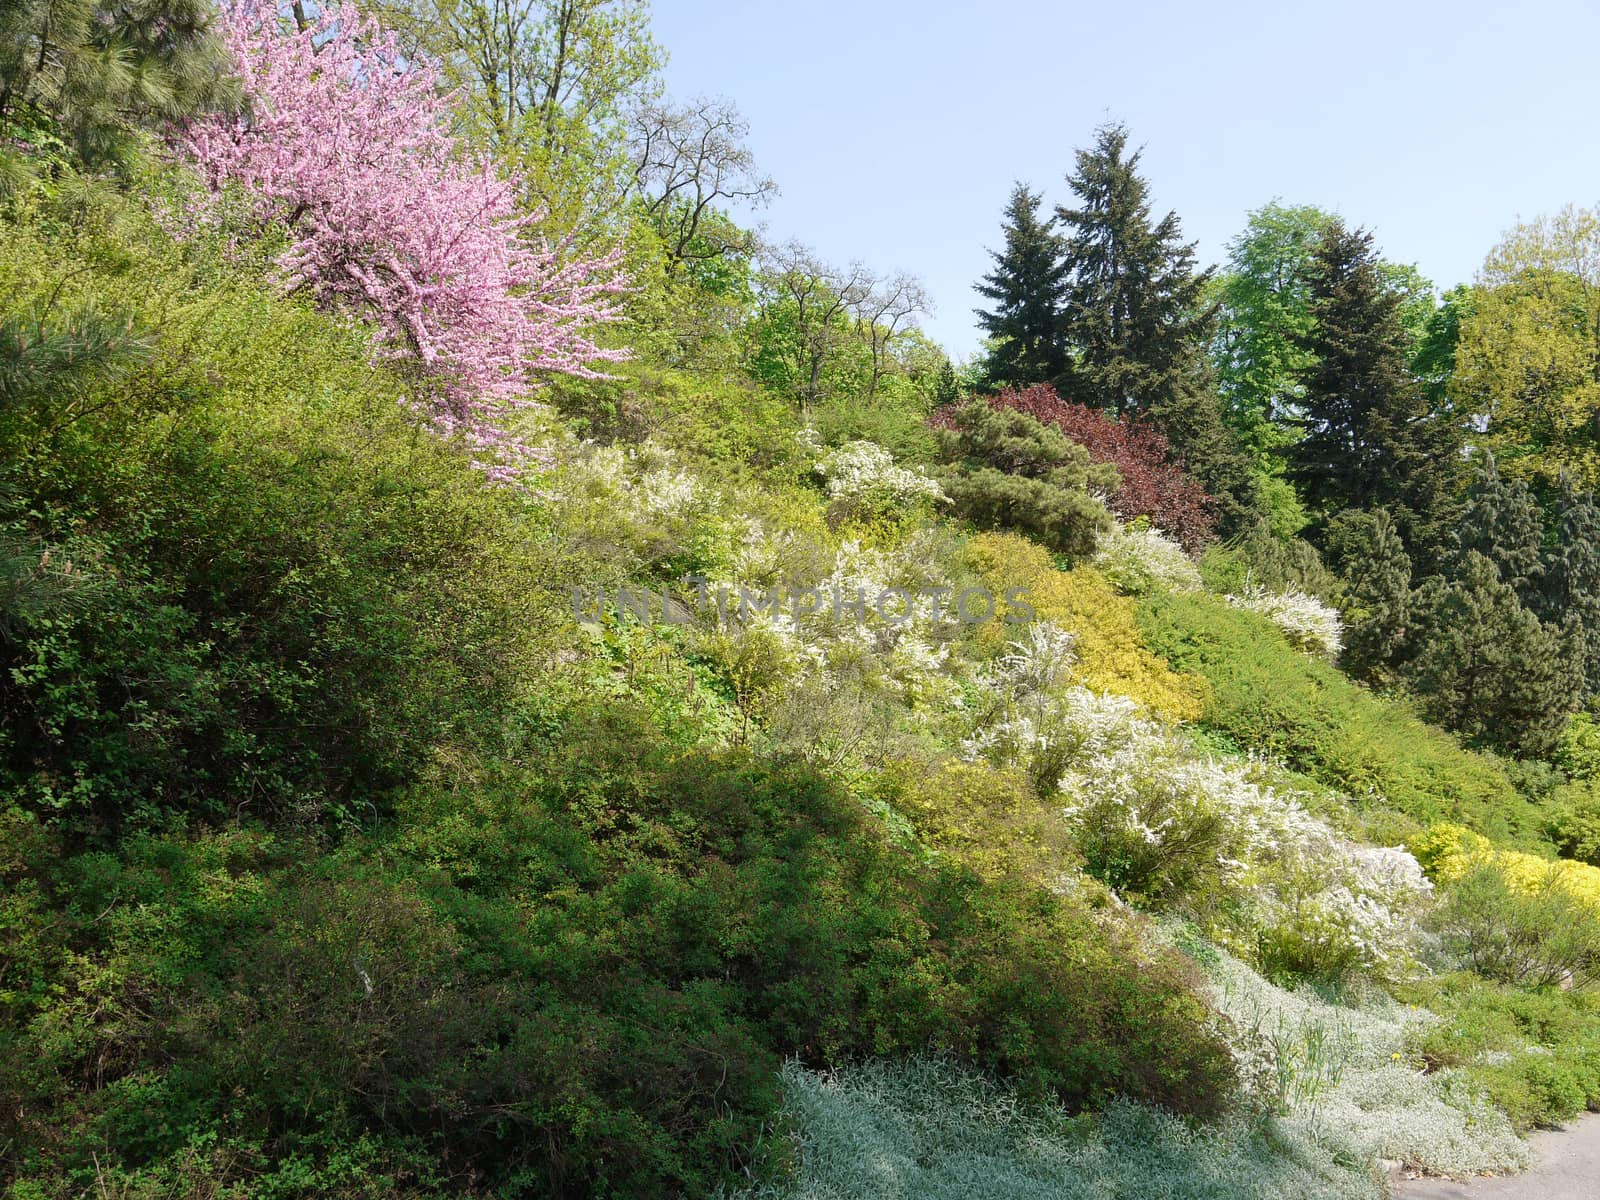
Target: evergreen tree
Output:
{"points": [[1026, 286], [1367, 436], [1367, 550], [97, 69], [1502, 524], [1488, 668], [1571, 583], [1136, 321], [1008, 470]]}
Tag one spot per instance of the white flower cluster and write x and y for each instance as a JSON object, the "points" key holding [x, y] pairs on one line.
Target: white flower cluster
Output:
{"points": [[1307, 622], [1145, 560], [642, 480], [1139, 795], [865, 470]]}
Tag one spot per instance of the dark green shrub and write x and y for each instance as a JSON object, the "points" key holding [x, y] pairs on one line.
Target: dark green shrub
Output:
{"points": [[578, 979], [1009, 471]]}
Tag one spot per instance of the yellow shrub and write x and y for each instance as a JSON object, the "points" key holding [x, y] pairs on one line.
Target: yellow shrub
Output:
{"points": [[1112, 656], [1448, 852]]}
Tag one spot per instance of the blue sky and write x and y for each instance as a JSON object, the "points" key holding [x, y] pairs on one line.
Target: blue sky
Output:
{"points": [[895, 130]]}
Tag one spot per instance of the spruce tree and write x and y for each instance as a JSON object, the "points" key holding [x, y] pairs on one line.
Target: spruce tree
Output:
{"points": [[1367, 550], [1501, 523], [1136, 320], [1027, 288], [1488, 667], [1367, 438], [1571, 583]]}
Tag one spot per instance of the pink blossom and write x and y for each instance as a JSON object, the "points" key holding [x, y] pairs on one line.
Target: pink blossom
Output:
{"points": [[345, 144]]}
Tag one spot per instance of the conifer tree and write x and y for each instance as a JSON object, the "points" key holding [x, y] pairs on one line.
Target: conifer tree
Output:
{"points": [[1367, 550], [1367, 436], [1008, 470], [1136, 320], [1571, 583], [98, 69], [1501, 523], [1027, 289], [1488, 667]]}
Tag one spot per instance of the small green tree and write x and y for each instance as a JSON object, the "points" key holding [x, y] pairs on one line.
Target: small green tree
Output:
{"points": [[1502, 524], [1571, 576], [1487, 667], [1007, 470], [1367, 550]]}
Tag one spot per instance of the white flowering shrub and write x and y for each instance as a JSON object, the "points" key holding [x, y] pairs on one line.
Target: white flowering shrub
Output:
{"points": [[1307, 622], [929, 1129], [1145, 560], [1340, 1076], [1160, 822], [865, 474], [1038, 662]]}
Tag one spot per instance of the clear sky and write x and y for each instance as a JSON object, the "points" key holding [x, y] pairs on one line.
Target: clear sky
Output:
{"points": [[895, 130]]}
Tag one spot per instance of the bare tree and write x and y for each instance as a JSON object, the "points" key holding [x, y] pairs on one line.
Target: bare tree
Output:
{"points": [[880, 308], [820, 294], [687, 160]]}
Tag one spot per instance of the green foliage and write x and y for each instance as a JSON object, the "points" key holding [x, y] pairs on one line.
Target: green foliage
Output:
{"points": [[1265, 315], [238, 580], [1537, 935], [1135, 322], [1573, 822], [1487, 667], [1267, 696], [1525, 359], [578, 978], [1377, 594], [1570, 588], [1367, 437], [1010, 471], [96, 71], [1027, 287], [1536, 1052], [1259, 557]]}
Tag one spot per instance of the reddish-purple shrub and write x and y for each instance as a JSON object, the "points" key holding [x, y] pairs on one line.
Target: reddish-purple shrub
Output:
{"points": [[1153, 485]]}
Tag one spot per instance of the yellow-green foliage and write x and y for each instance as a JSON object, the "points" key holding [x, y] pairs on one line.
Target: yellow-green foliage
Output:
{"points": [[1447, 852], [1112, 656], [989, 820]]}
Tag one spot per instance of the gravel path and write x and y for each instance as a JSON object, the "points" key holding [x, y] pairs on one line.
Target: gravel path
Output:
{"points": [[1566, 1167]]}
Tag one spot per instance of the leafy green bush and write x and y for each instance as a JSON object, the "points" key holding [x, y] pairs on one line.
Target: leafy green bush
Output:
{"points": [[237, 580], [1538, 934], [579, 978], [1267, 696]]}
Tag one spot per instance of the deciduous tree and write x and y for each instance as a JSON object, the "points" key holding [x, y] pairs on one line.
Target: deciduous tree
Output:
{"points": [[345, 147]]}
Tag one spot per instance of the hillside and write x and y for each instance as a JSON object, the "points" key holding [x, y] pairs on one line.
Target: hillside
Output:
{"points": [[485, 713]]}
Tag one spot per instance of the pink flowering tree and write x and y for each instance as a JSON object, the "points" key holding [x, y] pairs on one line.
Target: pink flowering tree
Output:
{"points": [[344, 145]]}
